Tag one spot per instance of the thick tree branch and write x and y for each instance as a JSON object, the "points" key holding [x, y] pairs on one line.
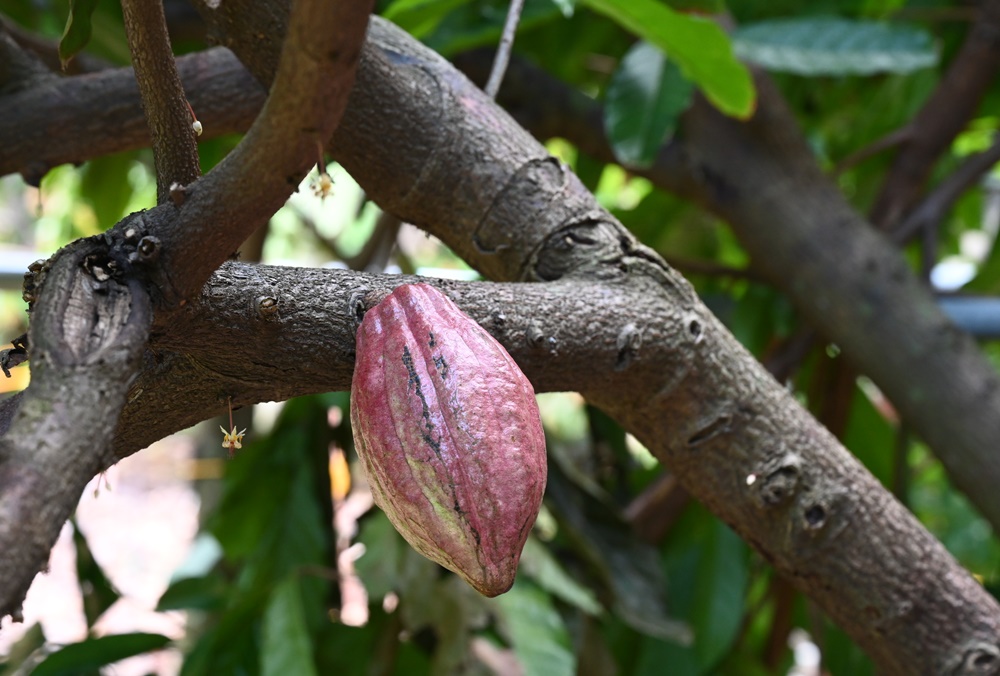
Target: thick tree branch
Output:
{"points": [[175, 151], [69, 119], [807, 240], [314, 77], [522, 216], [88, 330], [92, 312], [667, 370], [709, 410], [946, 112]]}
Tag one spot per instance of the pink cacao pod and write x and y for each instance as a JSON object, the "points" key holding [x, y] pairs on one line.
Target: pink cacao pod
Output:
{"points": [[448, 431]]}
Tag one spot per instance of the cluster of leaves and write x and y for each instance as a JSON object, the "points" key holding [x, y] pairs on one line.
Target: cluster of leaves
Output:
{"points": [[264, 590]]}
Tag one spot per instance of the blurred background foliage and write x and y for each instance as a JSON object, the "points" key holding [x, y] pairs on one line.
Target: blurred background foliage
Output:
{"points": [[294, 572]]}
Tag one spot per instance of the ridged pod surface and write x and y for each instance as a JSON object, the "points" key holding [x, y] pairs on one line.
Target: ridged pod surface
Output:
{"points": [[448, 431]]}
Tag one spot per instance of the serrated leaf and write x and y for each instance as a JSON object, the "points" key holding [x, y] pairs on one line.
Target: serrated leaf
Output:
{"points": [[645, 97], [78, 28], [833, 46], [287, 646], [696, 44], [536, 631], [88, 655]]}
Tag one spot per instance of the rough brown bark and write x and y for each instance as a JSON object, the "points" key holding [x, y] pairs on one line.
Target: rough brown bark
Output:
{"points": [[170, 120], [671, 373], [92, 309], [806, 239]]}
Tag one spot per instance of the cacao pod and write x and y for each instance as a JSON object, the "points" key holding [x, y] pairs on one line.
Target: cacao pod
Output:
{"points": [[447, 429]]}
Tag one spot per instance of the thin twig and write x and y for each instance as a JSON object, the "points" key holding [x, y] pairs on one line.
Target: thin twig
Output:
{"points": [[890, 140], [690, 266], [175, 150], [932, 210], [503, 51]]}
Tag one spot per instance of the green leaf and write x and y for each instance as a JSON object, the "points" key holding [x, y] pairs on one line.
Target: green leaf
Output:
{"points": [[644, 99], [707, 564], [719, 591], [565, 6], [202, 593], [539, 564], [833, 46], [697, 45], [78, 28], [628, 569], [287, 646], [536, 630], [420, 17], [104, 183], [98, 592], [92, 653], [23, 650]]}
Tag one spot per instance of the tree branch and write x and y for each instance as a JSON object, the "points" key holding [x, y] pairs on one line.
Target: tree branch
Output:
{"points": [[88, 330], [954, 101], [930, 212], [41, 131], [502, 57], [520, 215], [801, 233], [314, 77], [703, 406], [92, 314], [700, 402], [175, 151]]}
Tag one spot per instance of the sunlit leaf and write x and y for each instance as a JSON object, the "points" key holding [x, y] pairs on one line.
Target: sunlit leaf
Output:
{"points": [[78, 28], [87, 655], [833, 46], [420, 17], [644, 99], [565, 6], [696, 44]]}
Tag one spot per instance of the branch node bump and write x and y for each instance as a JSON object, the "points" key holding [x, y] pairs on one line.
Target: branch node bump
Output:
{"points": [[148, 249], [267, 307]]}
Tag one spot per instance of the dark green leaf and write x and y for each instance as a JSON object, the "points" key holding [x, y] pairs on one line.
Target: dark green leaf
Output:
{"points": [[627, 568], [92, 653], [833, 46], [78, 27], [98, 592], [537, 632], [539, 564], [420, 17], [202, 593], [287, 646], [696, 44], [719, 591], [644, 100]]}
